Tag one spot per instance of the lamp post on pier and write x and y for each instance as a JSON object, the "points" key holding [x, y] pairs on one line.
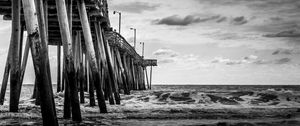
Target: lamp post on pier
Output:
{"points": [[134, 40], [119, 20], [143, 48]]}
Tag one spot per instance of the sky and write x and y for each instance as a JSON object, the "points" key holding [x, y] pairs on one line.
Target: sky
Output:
{"points": [[206, 41]]}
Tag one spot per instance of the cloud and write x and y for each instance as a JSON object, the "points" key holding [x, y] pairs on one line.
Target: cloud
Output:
{"points": [[135, 7], [282, 61], [288, 33], [261, 62], [275, 61], [227, 61], [262, 4], [233, 62], [165, 52], [168, 57], [252, 59], [283, 51], [276, 19], [175, 20], [227, 35], [183, 21], [239, 20], [165, 61], [165, 55], [221, 20]]}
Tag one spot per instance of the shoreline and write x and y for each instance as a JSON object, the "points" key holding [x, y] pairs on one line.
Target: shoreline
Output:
{"points": [[179, 106], [199, 117]]}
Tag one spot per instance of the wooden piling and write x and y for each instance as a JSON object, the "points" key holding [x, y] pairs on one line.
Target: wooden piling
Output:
{"points": [[45, 8], [85, 80], [43, 30], [150, 77], [58, 67], [5, 77], [146, 74], [79, 66], [111, 72], [35, 21], [37, 94], [126, 69], [91, 54], [67, 99], [15, 63], [123, 73], [83, 75], [91, 86], [21, 42], [121, 70], [63, 74], [132, 68], [69, 59], [103, 66], [24, 63]]}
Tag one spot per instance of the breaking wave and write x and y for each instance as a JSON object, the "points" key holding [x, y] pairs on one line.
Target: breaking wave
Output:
{"points": [[263, 98]]}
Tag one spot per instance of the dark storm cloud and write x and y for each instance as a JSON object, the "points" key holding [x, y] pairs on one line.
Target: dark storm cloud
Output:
{"points": [[282, 61], [276, 19], [279, 7], [283, 51], [261, 62], [233, 63], [135, 7], [218, 2], [257, 3], [275, 61], [221, 20], [183, 21], [288, 33], [239, 20]]}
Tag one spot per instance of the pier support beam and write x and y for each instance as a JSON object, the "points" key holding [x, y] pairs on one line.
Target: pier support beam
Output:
{"points": [[106, 81], [146, 74], [91, 86], [111, 72], [58, 67], [15, 63], [24, 63], [150, 77], [122, 72], [5, 77], [69, 58], [91, 54], [35, 21], [78, 63], [65, 85]]}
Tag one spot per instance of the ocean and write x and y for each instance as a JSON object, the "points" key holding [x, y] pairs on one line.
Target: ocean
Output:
{"points": [[180, 105]]}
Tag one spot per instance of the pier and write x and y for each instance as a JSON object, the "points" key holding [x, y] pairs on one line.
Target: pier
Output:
{"points": [[96, 59]]}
